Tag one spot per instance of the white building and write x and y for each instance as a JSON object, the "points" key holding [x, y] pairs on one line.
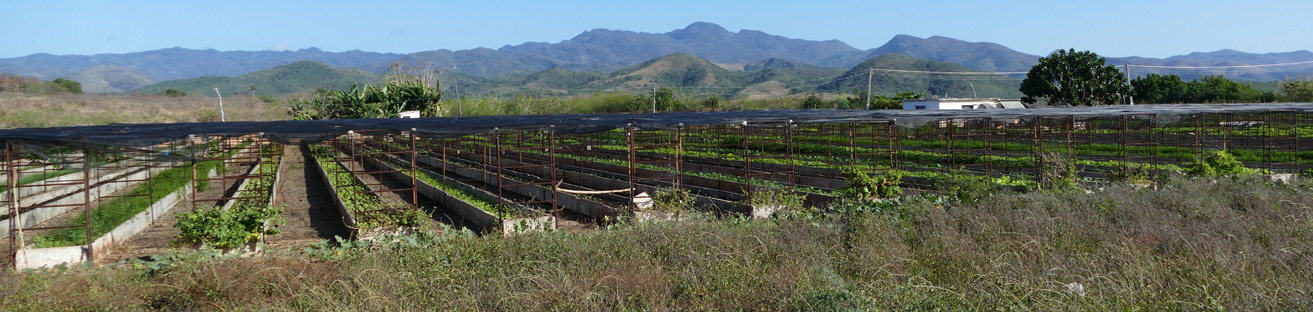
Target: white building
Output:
{"points": [[918, 104]]}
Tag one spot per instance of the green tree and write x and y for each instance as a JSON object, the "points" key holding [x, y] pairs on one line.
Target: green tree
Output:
{"points": [[665, 100], [883, 102], [1070, 78], [812, 101], [65, 85], [712, 102], [1169, 89], [1219, 89], [173, 92], [1298, 90], [1160, 89]]}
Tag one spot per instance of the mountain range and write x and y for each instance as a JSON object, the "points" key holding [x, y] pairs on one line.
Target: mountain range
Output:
{"points": [[606, 51], [688, 74]]}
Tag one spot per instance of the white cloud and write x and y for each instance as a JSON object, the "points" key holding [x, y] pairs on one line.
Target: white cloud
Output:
{"points": [[281, 46]]}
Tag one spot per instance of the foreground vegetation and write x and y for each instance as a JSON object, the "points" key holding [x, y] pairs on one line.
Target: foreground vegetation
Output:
{"points": [[1191, 244], [22, 110]]}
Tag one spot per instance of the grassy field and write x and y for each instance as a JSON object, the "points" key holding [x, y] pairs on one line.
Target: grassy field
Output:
{"points": [[1192, 244], [21, 110]]}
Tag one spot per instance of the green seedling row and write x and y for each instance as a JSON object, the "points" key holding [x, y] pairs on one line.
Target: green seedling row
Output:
{"points": [[367, 208], [487, 206], [109, 215]]}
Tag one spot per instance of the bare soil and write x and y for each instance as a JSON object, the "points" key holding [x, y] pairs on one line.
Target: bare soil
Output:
{"points": [[308, 210]]}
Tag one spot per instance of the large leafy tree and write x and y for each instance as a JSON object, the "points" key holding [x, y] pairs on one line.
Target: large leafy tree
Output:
{"points": [[1071, 78], [1166, 89], [1298, 90], [1160, 89]]}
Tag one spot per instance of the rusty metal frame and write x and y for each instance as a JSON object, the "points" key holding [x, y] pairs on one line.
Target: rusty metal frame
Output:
{"points": [[638, 141], [1131, 136], [757, 134], [970, 129], [358, 145], [886, 138], [514, 142]]}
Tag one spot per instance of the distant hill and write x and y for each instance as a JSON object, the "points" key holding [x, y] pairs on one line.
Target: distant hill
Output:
{"points": [[935, 85], [690, 74], [605, 50], [983, 56], [180, 63], [280, 80], [108, 78], [1234, 64]]}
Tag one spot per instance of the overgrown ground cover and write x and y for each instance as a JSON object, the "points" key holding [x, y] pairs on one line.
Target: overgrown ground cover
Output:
{"points": [[56, 110], [1191, 244]]}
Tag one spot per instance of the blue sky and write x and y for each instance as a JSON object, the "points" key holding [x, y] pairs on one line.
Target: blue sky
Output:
{"points": [[1110, 28]]}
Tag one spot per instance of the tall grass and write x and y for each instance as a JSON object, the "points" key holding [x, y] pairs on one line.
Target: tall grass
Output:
{"points": [[1192, 244], [60, 109]]}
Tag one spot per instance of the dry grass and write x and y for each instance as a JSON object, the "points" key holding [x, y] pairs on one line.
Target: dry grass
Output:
{"points": [[21, 110], [1192, 244]]}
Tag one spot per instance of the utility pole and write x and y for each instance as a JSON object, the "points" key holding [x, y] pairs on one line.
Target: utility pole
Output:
{"points": [[222, 118], [654, 99], [1130, 98], [870, 72], [460, 109]]}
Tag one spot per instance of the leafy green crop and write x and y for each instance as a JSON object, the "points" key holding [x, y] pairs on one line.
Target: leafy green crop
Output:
{"points": [[369, 210], [244, 222]]}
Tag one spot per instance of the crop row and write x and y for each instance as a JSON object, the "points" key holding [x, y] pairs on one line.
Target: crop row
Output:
{"points": [[247, 220], [108, 215], [368, 210]]}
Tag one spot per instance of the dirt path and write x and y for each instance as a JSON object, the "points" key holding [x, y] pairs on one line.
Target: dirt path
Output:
{"points": [[309, 211]]}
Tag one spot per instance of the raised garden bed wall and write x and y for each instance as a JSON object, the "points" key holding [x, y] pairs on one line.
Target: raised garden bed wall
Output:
{"points": [[341, 164], [155, 206], [515, 219], [40, 205], [120, 170], [30, 258]]}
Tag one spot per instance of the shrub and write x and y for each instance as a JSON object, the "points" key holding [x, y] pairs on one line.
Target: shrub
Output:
{"points": [[173, 92], [1218, 164], [863, 186], [1058, 171]]}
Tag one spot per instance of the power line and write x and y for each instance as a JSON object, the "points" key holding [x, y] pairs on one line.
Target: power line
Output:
{"points": [[1220, 67]]}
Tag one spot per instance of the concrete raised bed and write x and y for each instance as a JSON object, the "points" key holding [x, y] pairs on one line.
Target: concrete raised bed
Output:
{"points": [[31, 258], [468, 211], [570, 202], [347, 217], [69, 195], [701, 185]]}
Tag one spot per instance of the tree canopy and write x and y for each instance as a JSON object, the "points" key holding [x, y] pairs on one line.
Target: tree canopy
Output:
{"points": [[1170, 89], [1298, 90], [1071, 78]]}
